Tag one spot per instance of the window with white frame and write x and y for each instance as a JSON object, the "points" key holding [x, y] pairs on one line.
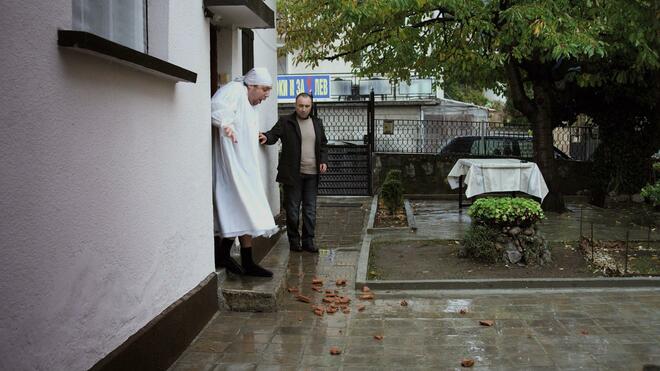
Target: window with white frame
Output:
{"points": [[121, 21]]}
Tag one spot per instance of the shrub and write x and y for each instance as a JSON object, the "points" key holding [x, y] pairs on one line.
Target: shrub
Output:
{"points": [[651, 192], [479, 244], [392, 191], [506, 212], [393, 174]]}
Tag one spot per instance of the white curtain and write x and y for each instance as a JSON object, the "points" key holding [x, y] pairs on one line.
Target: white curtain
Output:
{"points": [[122, 21]]}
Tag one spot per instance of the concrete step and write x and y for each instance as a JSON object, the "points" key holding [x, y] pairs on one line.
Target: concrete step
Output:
{"points": [[256, 294]]}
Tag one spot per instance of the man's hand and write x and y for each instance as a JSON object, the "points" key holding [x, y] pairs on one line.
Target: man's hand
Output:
{"points": [[323, 168], [262, 138], [229, 132]]}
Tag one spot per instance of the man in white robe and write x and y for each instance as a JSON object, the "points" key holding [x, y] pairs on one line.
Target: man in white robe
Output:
{"points": [[240, 205]]}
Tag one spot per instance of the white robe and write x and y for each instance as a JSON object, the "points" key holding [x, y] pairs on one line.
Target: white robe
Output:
{"points": [[240, 201]]}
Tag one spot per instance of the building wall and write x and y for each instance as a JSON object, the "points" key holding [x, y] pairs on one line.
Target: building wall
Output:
{"points": [[265, 55], [106, 179]]}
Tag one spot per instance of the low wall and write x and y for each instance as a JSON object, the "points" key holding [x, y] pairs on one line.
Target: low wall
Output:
{"points": [[427, 173]]}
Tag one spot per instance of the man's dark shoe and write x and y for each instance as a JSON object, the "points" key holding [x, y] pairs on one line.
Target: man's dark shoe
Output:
{"points": [[312, 249], [223, 257], [231, 265], [250, 267], [295, 248]]}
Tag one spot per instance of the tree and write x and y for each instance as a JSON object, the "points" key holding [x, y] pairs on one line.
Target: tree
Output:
{"points": [[541, 53]]}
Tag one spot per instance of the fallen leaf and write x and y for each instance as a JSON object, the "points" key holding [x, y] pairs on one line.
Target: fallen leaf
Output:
{"points": [[340, 282], [317, 289], [335, 351], [584, 332], [329, 292], [367, 296], [328, 300], [404, 303], [346, 310], [378, 337], [467, 362], [486, 322], [319, 312], [344, 300], [361, 308], [293, 289], [317, 281], [366, 289], [331, 310], [462, 311], [303, 298]]}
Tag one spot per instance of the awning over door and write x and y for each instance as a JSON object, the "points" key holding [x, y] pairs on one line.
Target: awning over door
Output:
{"points": [[241, 13]]}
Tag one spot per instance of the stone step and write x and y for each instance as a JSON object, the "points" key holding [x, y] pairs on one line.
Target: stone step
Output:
{"points": [[256, 294]]}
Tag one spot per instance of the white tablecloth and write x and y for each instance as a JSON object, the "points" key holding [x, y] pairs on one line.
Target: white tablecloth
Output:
{"points": [[498, 175]]}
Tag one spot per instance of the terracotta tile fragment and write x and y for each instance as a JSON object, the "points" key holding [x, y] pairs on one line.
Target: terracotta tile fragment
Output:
{"points": [[467, 362], [335, 351], [487, 322], [378, 337], [303, 298]]}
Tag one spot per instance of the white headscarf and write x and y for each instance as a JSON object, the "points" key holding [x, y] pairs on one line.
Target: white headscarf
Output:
{"points": [[258, 76]]}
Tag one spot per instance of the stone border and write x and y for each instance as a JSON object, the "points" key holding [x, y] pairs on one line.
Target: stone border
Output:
{"points": [[485, 284], [410, 218]]}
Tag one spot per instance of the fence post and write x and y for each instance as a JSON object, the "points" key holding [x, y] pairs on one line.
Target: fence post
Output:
{"points": [[592, 242], [371, 108], [625, 263]]}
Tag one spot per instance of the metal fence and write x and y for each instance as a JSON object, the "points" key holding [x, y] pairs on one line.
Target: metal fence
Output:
{"points": [[477, 138]]}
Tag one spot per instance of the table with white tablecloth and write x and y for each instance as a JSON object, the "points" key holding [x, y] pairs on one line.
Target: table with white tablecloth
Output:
{"points": [[488, 175]]}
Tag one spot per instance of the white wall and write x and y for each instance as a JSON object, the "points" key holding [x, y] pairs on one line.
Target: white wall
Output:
{"points": [[105, 178]]}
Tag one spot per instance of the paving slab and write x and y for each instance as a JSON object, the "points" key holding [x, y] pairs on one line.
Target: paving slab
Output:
{"points": [[552, 329]]}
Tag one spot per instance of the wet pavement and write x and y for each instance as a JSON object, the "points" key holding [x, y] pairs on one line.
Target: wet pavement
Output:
{"points": [[609, 329], [442, 219]]}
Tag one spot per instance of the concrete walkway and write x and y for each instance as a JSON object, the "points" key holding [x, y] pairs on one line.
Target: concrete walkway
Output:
{"points": [[533, 330]]}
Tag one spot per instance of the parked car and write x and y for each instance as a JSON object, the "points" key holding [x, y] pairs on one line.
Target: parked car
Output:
{"points": [[495, 146]]}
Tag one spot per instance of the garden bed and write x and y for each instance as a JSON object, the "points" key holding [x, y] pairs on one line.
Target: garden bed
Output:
{"points": [[609, 257], [438, 260], [385, 219]]}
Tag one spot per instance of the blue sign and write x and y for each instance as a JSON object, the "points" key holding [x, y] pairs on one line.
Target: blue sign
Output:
{"points": [[288, 86]]}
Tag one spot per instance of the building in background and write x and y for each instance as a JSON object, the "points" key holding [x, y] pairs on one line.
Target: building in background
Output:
{"points": [[106, 228]]}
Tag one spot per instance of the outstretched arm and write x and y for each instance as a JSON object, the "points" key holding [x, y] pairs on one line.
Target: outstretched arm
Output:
{"points": [[272, 135], [224, 107]]}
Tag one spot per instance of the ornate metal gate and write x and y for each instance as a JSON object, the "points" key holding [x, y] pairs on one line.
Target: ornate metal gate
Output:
{"points": [[349, 127]]}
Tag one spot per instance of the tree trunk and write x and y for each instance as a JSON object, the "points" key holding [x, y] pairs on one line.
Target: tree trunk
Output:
{"points": [[544, 147], [539, 112]]}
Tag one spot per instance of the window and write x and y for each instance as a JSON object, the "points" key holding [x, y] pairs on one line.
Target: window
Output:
{"points": [[121, 21]]}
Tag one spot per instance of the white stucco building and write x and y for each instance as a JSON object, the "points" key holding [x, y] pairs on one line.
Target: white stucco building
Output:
{"points": [[106, 202]]}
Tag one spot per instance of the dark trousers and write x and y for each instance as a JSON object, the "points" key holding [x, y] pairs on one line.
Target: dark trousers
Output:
{"points": [[304, 192]]}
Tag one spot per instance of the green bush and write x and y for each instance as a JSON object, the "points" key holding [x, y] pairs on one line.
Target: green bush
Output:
{"points": [[656, 167], [479, 244], [651, 192], [393, 174], [392, 191], [506, 212]]}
